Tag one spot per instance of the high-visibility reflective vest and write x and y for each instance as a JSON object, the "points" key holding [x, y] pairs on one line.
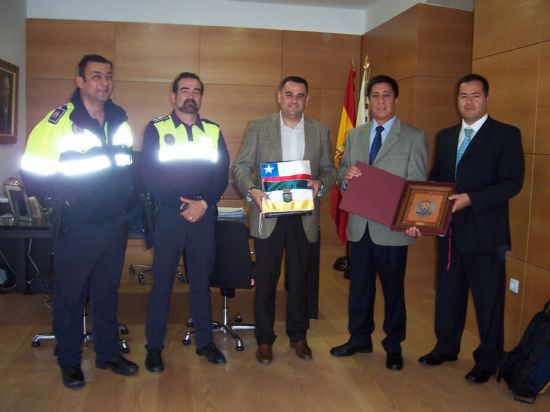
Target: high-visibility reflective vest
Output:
{"points": [[175, 145], [58, 145]]}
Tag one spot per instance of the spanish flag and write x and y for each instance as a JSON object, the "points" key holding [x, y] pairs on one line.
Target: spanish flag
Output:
{"points": [[286, 183], [347, 122]]}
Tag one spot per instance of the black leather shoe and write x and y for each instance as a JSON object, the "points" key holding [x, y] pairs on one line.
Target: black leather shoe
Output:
{"points": [[212, 353], [347, 349], [153, 361], [477, 375], [72, 377], [119, 365], [436, 358], [394, 361]]}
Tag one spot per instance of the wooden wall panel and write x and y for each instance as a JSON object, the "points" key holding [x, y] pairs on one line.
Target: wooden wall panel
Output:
{"points": [[240, 56], [519, 213], [142, 101], [44, 95], [539, 236], [513, 302], [401, 45], [373, 46], [332, 102], [406, 99], [155, 52], [545, 18], [444, 41], [54, 47], [537, 287], [232, 107], [324, 59], [513, 79], [313, 108], [505, 25], [542, 138], [435, 105]]}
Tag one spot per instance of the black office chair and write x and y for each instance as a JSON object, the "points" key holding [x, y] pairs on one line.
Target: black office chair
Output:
{"points": [[233, 269]]}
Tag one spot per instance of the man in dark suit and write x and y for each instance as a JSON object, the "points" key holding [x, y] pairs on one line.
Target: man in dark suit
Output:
{"points": [[398, 148], [287, 135], [484, 158]]}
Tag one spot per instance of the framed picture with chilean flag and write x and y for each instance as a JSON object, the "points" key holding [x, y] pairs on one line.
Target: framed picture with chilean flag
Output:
{"points": [[286, 184]]}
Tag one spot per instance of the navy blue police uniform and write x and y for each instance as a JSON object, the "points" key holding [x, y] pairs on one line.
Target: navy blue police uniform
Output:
{"points": [[85, 168], [193, 162]]}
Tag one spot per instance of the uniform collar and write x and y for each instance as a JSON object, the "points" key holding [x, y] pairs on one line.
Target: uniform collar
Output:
{"points": [[177, 121]]}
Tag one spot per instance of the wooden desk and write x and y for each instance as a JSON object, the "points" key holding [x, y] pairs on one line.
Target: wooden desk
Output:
{"points": [[20, 233]]}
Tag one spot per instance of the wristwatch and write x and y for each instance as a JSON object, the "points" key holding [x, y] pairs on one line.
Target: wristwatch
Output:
{"points": [[248, 195]]}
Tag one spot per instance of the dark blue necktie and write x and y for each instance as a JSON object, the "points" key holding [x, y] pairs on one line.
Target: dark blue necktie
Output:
{"points": [[376, 144]]}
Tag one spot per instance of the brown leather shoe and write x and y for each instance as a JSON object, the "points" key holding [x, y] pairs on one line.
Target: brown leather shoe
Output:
{"points": [[264, 354], [303, 351]]}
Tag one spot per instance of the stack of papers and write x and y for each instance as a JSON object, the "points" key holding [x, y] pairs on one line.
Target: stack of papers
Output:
{"points": [[231, 212]]}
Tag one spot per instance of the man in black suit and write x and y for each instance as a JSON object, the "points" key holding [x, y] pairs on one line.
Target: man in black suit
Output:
{"points": [[484, 158]]}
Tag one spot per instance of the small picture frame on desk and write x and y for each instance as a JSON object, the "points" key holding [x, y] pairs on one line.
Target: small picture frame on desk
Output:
{"points": [[19, 203]]}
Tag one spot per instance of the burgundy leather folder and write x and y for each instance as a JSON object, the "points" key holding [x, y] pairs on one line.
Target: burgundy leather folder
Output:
{"points": [[397, 203]]}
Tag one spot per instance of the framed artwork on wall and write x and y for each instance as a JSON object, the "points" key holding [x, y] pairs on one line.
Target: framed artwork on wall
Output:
{"points": [[9, 81]]}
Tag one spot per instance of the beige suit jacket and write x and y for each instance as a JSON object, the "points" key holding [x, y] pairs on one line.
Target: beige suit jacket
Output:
{"points": [[403, 153], [262, 144]]}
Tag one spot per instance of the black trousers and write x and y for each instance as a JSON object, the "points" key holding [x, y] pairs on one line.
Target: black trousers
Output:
{"points": [[88, 263], [367, 259], [173, 234], [288, 236], [484, 275]]}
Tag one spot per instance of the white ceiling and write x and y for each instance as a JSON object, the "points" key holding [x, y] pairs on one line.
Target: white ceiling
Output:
{"points": [[357, 4], [337, 4]]}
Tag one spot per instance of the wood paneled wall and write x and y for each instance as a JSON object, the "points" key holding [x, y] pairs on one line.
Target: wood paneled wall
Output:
{"points": [[512, 49], [241, 69]]}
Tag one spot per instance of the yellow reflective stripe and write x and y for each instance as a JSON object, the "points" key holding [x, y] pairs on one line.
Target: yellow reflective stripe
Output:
{"points": [[38, 165], [78, 142], [84, 166], [123, 136]]}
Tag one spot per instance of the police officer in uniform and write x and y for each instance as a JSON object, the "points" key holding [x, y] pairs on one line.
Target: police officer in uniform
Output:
{"points": [[185, 165], [79, 156]]}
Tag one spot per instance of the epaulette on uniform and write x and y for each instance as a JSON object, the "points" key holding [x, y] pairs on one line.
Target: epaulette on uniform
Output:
{"points": [[57, 114], [161, 118], [210, 121]]}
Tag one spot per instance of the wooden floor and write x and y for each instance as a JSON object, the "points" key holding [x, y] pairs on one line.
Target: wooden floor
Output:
{"points": [[30, 379]]}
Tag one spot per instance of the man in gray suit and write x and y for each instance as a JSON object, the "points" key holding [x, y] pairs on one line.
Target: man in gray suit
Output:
{"points": [[287, 135], [395, 147]]}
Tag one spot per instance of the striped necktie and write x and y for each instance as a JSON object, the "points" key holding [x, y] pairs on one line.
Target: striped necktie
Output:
{"points": [[468, 132]]}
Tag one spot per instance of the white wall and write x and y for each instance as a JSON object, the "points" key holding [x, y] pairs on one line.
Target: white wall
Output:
{"points": [[204, 12], [12, 49]]}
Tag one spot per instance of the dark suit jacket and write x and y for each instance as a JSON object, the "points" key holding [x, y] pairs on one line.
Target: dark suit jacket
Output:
{"points": [[491, 172]]}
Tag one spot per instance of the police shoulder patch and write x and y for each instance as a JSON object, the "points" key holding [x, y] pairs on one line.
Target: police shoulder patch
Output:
{"points": [[161, 118], [57, 114]]}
